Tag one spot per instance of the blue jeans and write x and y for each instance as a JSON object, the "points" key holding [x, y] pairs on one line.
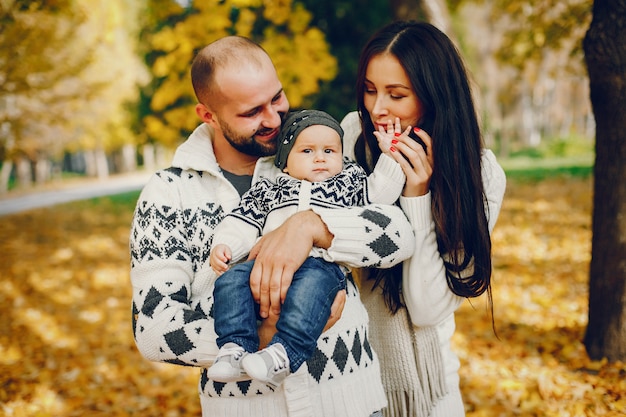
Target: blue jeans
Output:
{"points": [[303, 314]]}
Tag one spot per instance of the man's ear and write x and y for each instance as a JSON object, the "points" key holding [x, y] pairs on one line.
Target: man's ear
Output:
{"points": [[204, 113]]}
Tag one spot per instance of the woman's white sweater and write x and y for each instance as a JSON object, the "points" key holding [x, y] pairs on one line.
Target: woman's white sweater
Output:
{"points": [[429, 302]]}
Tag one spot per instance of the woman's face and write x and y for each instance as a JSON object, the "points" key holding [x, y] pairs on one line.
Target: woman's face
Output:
{"points": [[389, 94]]}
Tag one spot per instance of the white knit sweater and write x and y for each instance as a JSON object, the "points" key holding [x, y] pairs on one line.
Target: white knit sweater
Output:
{"points": [[411, 376], [172, 284]]}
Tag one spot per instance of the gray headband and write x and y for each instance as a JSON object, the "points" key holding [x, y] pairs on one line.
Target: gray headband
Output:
{"points": [[295, 123]]}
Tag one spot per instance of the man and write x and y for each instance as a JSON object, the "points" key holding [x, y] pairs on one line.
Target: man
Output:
{"points": [[241, 105]]}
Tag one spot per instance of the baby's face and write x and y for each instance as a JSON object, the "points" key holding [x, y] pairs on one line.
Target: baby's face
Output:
{"points": [[316, 154]]}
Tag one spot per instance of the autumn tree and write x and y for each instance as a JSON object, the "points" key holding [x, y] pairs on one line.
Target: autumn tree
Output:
{"points": [[605, 55], [299, 51], [67, 69], [526, 59], [433, 11], [109, 86], [31, 77]]}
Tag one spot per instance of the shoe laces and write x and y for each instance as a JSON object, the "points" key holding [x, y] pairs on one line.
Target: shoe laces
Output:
{"points": [[234, 351], [279, 358]]}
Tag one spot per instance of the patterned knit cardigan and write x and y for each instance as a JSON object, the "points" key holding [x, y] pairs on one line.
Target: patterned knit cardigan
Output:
{"points": [[172, 283]]}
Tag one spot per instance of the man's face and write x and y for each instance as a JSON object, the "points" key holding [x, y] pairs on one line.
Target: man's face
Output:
{"points": [[252, 105]]}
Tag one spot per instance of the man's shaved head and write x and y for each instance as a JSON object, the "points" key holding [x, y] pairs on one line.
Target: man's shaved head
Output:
{"points": [[230, 52]]}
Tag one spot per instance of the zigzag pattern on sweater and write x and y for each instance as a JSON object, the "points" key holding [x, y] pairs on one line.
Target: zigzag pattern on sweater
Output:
{"points": [[346, 189], [163, 232]]}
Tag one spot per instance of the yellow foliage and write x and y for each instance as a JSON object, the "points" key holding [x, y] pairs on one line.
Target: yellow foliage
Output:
{"points": [[244, 4], [163, 41], [299, 20], [182, 116], [169, 92], [78, 60], [277, 11], [300, 53], [245, 23], [167, 134], [302, 59]]}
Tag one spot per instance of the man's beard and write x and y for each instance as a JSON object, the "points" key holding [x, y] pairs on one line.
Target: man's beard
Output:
{"points": [[249, 145]]}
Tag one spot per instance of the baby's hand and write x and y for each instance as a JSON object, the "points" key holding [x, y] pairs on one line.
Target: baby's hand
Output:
{"points": [[386, 138], [220, 257]]}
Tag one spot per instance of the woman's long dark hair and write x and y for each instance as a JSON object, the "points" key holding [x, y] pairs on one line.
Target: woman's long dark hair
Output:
{"points": [[440, 81]]}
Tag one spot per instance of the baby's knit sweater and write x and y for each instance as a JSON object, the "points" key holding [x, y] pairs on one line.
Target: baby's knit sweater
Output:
{"points": [[267, 204]]}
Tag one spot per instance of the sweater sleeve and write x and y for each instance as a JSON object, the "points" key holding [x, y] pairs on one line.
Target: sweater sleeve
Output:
{"points": [[425, 288], [168, 325], [385, 183], [238, 235], [376, 235], [240, 229]]}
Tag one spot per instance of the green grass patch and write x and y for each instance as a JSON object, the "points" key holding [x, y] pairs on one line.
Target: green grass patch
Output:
{"points": [[529, 168], [116, 203]]}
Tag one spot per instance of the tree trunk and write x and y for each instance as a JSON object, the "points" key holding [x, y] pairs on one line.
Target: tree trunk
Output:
{"points": [[102, 164], [24, 173], [434, 11], [149, 157], [96, 163], [129, 158], [5, 175], [43, 170], [605, 55], [91, 169]]}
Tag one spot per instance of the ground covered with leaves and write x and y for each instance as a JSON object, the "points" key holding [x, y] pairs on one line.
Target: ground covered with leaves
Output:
{"points": [[66, 346]]}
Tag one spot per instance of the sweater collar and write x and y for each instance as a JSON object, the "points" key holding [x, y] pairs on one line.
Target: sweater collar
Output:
{"points": [[196, 153]]}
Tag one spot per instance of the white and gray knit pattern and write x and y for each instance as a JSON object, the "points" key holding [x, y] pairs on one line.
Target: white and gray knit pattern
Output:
{"points": [[171, 235]]}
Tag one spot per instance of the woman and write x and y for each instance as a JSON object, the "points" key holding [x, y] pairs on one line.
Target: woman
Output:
{"points": [[411, 80]]}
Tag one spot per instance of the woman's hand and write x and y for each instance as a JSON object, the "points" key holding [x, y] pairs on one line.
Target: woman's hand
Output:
{"points": [[416, 161]]}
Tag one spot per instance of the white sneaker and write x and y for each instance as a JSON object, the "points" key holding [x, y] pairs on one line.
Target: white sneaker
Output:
{"points": [[270, 365], [227, 365]]}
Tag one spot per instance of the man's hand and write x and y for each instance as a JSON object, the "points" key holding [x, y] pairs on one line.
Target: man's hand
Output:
{"points": [[279, 254]]}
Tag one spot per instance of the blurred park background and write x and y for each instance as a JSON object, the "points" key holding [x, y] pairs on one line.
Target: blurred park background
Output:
{"points": [[91, 89], [94, 88]]}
